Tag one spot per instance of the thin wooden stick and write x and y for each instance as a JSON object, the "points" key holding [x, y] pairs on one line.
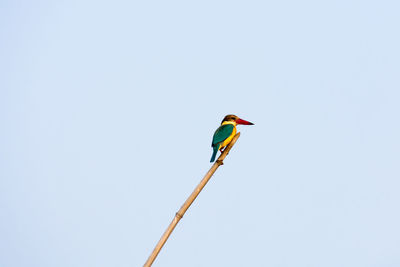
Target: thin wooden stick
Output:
{"points": [[189, 202]]}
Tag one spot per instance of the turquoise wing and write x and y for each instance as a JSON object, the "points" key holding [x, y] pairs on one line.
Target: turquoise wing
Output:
{"points": [[223, 132]]}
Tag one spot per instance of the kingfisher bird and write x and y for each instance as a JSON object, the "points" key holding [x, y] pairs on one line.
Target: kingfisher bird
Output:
{"points": [[225, 133]]}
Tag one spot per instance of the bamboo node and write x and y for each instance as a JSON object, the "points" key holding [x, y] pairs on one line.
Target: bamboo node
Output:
{"points": [[180, 216], [220, 162]]}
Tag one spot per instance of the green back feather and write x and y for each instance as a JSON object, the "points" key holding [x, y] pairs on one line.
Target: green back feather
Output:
{"points": [[223, 132]]}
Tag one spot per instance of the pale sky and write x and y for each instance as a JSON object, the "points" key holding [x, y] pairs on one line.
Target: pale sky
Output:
{"points": [[107, 110]]}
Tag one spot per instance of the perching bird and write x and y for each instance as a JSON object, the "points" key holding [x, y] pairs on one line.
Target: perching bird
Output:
{"points": [[224, 134]]}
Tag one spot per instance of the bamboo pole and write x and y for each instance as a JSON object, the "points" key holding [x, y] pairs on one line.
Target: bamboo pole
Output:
{"points": [[189, 201]]}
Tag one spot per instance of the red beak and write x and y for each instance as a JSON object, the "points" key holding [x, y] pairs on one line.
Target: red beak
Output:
{"points": [[240, 121]]}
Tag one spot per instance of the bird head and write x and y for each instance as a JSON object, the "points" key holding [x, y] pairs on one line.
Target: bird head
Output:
{"points": [[235, 120]]}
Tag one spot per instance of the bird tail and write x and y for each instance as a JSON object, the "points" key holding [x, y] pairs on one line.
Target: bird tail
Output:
{"points": [[214, 153]]}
